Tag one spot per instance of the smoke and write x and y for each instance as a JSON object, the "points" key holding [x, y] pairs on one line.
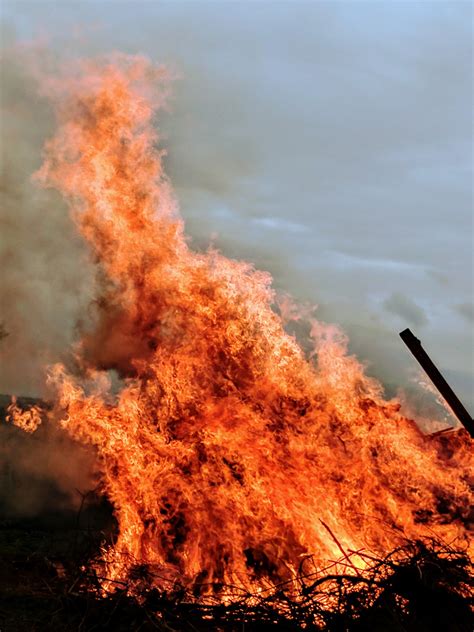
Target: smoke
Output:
{"points": [[46, 287], [44, 473], [45, 282]]}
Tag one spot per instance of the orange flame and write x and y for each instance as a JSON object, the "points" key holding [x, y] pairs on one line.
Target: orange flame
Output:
{"points": [[28, 420], [228, 455]]}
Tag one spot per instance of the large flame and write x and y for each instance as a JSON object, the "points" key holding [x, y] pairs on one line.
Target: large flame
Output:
{"points": [[228, 455]]}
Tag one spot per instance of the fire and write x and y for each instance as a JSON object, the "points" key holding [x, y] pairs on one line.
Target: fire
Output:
{"points": [[230, 456], [28, 420]]}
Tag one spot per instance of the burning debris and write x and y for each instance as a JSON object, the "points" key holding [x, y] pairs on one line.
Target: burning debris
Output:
{"points": [[234, 463], [422, 586]]}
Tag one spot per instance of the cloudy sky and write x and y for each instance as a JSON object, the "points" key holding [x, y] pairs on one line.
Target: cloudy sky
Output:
{"points": [[328, 142]]}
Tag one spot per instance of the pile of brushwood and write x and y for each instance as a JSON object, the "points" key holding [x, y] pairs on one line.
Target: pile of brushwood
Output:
{"points": [[421, 586]]}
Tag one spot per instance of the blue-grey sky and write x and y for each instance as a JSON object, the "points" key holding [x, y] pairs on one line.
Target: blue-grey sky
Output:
{"points": [[328, 142]]}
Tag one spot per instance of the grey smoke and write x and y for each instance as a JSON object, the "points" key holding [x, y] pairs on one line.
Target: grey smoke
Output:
{"points": [[42, 473], [45, 285]]}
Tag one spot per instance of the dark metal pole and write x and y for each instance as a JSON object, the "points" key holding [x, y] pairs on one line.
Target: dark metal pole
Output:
{"points": [[438, 380]]}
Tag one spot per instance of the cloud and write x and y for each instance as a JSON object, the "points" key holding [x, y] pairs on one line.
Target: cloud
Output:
{"points": [[406, 309], [279, 224], [466, 310]]}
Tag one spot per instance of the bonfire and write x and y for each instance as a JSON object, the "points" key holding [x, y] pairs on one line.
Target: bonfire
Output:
{"points": [[252, 476]]}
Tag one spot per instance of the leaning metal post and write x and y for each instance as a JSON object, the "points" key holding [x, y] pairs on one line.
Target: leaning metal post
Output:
{"points": [[438, 380]]}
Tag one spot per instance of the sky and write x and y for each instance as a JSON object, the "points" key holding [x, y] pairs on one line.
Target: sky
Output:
{"points": [[328, 142]]}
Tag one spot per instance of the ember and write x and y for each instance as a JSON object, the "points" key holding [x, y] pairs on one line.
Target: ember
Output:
{"points": [[230, 458]]}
